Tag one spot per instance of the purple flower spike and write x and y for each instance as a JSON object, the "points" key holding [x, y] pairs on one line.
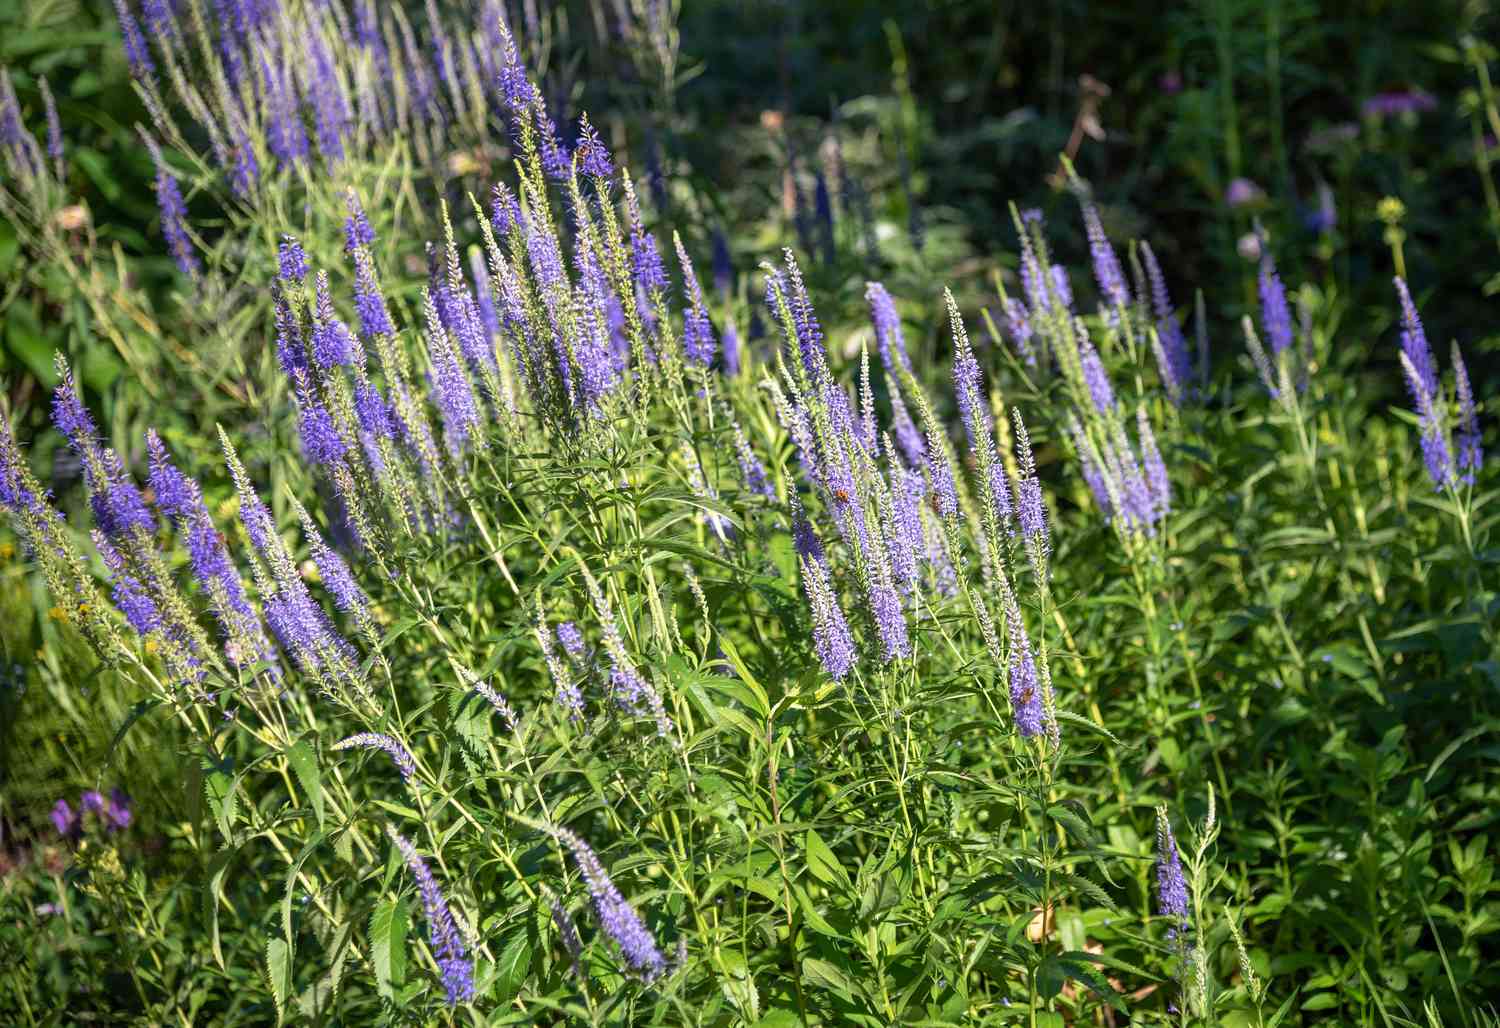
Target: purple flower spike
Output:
{"points": [[888, 337], [291, 260], [1275, 314], [1107, 273], [173, 213], [1470, 456], [698, 342], [1025, 689], [616, 916], [454, 965], [1171, 886], [92, 801], [126, 590], [593, 155], [1414, 342], [137, 55], [357, 230], [571, 638], [378, 741]]}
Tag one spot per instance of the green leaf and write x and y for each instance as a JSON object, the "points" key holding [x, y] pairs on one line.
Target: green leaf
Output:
{"points": [[762, 703], [823, 863], [512, 966], [219, 788], [305, 766], [388, 924], [279, 971], [213, 895], [821, 972]]}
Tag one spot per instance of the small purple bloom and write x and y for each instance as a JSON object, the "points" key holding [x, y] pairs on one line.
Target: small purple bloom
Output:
{"points": [[137, 54], [63, 818], [454, 965], [1025, 689], [1171, 886], [118, 814], [593, 155], [291, 260], [173, 213], [617, 917], [1275, 313], [1241, 192], [92, 801], [1470, 456], [379, 741], [357, 229], [1398, 102], [571, 638], [888, 337], [1107, 272]]}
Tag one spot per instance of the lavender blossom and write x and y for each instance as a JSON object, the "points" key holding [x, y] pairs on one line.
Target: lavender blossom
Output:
{"points": [[285, 136], [1470, 456], [751, 469], [1107, 272], [357, 229], [1275, 314], [832, 641], [698, 342], [1157, 482], [1173, 362], [568, 932], [129, 595], [554, 158], [1421, 377], [1031, 511], [137, 54], [514, 84], [63, 819], [593, 155], [505, 211], [1171, 886], [617, 917], [454, 965], [1414, 343], [336, 576], [888, 337], [369, 304], [54, 127], [1095, 378], [330, 110], [173, 213], [908, 438], [320, 437], [571, 639], [890, 622], [1025, 689], [291, 260], [118, 814], [378, 741]]}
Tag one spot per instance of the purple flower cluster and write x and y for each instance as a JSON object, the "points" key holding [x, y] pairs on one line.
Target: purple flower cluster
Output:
{"points": [[1436, 423], [115, 814]]}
